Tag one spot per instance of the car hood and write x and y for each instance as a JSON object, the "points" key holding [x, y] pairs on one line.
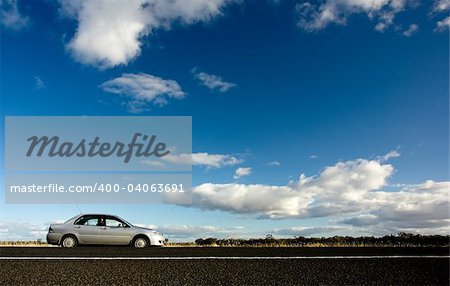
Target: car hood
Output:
{"points": [[144, 228]]}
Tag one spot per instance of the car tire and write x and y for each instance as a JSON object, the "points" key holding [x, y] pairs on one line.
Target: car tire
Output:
{"points": [[69, 241], [141, 242]]}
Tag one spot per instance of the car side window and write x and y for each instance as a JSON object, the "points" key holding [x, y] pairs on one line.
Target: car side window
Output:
{"points": [[87, 220], [113, 223], [92, 221]]}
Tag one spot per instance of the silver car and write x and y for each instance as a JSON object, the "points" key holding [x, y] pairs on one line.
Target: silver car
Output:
{"points": [[102, 229]]}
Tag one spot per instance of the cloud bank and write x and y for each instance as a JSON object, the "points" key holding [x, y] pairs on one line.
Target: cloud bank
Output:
{"points": [[355, 190]]}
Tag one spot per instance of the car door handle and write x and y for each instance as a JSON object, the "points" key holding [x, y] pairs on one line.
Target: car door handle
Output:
{"points": [[104, 228], [77, 226]]}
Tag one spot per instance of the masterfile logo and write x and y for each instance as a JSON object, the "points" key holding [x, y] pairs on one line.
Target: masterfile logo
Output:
{"points": [[98, 143], [54, 147]]}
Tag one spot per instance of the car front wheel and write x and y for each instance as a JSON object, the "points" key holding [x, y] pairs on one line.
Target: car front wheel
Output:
{"points": [[140, 242], [69, 241]]}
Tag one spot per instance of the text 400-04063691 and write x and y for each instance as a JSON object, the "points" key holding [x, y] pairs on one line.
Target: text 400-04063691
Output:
{"points": [[155, 188]]}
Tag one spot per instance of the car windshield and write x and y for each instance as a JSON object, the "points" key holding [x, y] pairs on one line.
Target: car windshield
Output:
{"points": [[125, 221]]}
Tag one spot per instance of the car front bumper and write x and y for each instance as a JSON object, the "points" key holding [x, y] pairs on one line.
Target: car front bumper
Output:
{"points": [[157, 240]]}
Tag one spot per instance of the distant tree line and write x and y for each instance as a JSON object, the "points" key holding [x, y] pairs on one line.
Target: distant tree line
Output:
{"points": [[402, 239]]}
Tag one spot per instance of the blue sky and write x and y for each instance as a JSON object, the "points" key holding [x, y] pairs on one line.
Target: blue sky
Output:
{"points": [[275, 88]]}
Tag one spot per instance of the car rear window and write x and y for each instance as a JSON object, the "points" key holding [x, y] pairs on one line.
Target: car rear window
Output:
{"points": [[87, 220], [71, 219]]}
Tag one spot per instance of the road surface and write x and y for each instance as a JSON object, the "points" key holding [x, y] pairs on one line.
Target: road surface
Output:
{"points": [[223, 266]]}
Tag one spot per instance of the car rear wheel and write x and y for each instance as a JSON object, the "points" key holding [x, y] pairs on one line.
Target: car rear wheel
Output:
{"points": [[140, 242], [69, 241]]}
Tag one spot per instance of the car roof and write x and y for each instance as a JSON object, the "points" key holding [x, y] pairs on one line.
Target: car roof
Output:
{"points": [[97, 214], [75, 218]]}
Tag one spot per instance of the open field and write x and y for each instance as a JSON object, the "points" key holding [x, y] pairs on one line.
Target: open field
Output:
{"points": [[228, 266]]}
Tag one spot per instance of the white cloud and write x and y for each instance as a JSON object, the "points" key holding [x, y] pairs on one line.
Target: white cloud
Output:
{"points": [[110, 32], [337, 188], [143, 88], [176, 232], [315, 17], [360, 220], [186, 232], [347, 189], [412, 29], [443, 25], [10, 15], [310, 230], [313, 156], [213, 82], [386, 157], [10, 230], [202, 159], [38, 83], [242, 172], [441, 6], [274, 164], [416, 208]]}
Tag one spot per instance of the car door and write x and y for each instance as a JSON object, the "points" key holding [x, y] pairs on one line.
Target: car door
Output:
{"points": [[115, 232], [87, 229]]}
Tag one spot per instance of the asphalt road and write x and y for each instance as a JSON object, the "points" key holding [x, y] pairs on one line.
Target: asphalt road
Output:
{"points": [[224, 266]]}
